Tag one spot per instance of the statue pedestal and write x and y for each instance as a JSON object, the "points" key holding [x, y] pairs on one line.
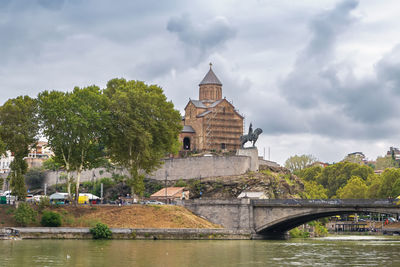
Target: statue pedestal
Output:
{"points": [[251, 152]]}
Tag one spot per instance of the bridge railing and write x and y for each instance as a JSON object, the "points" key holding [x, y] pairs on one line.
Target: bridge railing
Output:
{"points": [[328, 202]]}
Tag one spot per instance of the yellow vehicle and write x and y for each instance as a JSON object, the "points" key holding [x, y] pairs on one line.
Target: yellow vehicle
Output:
{"points": [[83, 200]]}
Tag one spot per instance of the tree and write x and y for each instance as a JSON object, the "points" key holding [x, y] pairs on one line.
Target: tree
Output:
{"points": [[309, 173], [373, 182], [383, 163], [2, 146], [389, 186], [297, 163], [143, 128], [313, 190], [18, 130], [355, 188], [354, 158], [74, 124], [55, 116], [336, 175], [51, 164]]}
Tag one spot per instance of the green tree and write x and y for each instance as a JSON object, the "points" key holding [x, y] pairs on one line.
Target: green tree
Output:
{"points": [[313, 190], [55, 116], [355, 188], [384, 163], [354, 158], [310, 173], [51, 164], [389, 186], [25, 214], [18, 130], [74, 124], [2, 146], [297, 163], [336, 175], [144, 127], [373, 182]]}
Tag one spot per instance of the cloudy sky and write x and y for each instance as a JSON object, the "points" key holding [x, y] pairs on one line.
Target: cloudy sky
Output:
{"points": [[319, 77]]}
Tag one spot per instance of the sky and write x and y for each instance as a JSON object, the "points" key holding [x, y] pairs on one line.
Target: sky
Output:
{"points": [[319, 77]]}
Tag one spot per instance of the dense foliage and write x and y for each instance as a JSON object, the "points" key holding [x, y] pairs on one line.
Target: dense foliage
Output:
{"points": [[129, 122], [25, 214], [297, 163], [51, 219], [143, 128], [101, 231], [18, 132], [349, 180]]}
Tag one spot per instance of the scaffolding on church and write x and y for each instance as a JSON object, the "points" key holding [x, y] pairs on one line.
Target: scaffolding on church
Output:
{"points": [[222, 132]]}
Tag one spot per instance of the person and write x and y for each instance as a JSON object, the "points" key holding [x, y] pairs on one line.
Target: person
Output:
{"points": [[250, 129]]}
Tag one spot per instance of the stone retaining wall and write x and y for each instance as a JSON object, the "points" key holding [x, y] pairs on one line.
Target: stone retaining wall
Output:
{"points": [[176, 169], [131, 233]]}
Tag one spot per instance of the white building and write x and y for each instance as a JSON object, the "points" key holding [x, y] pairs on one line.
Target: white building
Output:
{"points": [[5, 161]]}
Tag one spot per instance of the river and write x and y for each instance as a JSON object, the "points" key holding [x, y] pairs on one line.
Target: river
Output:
{"points": [[330, 251]]}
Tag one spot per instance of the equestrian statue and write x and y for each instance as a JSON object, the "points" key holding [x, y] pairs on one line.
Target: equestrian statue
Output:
{"points": [[251, 136]]}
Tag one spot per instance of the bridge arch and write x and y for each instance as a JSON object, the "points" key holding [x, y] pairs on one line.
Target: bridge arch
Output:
{"points": [[279, 226], [272, 218]]}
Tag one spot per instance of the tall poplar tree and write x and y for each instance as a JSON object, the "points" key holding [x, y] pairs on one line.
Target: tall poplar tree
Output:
{"points": [[18, 130], [143, 128]]}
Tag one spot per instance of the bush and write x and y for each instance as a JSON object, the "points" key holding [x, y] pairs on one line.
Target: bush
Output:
{"points": [[44, 202], [51, 219], [24, 214], [297, 233], [101, 231]]}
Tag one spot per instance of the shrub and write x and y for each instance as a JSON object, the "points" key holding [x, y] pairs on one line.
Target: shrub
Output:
{"points": [[51, 219], [24, 214], [101, 231], [297, 233], [44, 202]]}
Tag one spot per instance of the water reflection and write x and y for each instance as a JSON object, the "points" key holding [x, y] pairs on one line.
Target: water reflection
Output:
{"points": [[342, 250]]}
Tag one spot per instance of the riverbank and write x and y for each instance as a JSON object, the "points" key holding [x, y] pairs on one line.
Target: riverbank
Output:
{"points": [[132, 216], [132, 233]]}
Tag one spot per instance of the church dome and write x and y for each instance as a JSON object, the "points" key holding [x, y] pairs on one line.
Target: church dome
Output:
{"points": [[210, 78]]}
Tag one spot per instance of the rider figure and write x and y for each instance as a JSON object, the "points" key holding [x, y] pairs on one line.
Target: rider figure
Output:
{"points": [[250, 129]]}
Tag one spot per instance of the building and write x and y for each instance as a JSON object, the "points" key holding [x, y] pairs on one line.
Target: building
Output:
{"points": [[5, 161], [171, 194], [35, 158], [393, 152], [211, 122], [38, 154]]}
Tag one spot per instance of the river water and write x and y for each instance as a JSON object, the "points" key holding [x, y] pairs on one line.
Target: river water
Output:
{"points": [[330, 251]]}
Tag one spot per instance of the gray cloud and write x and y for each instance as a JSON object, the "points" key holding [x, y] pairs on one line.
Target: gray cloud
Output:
{"points": [[359, 107], [205, 37]]}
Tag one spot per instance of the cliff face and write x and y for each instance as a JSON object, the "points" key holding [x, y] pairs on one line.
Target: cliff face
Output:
{"points": [[275, 182]]}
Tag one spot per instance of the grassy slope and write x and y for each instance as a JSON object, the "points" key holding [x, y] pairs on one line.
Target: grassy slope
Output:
{"points": [[135, 216]]}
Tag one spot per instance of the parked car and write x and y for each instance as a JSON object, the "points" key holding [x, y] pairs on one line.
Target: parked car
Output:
{"points": [[154, 202]]}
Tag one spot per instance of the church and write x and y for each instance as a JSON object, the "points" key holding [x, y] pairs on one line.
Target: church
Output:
{"points": [[211, 123]]}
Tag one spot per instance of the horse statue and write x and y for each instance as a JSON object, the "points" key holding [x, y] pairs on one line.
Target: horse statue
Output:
{"points": [[251, 136]]}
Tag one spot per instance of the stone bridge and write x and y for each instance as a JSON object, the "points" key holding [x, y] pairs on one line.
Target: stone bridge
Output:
{"points": [[272, 218]]}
